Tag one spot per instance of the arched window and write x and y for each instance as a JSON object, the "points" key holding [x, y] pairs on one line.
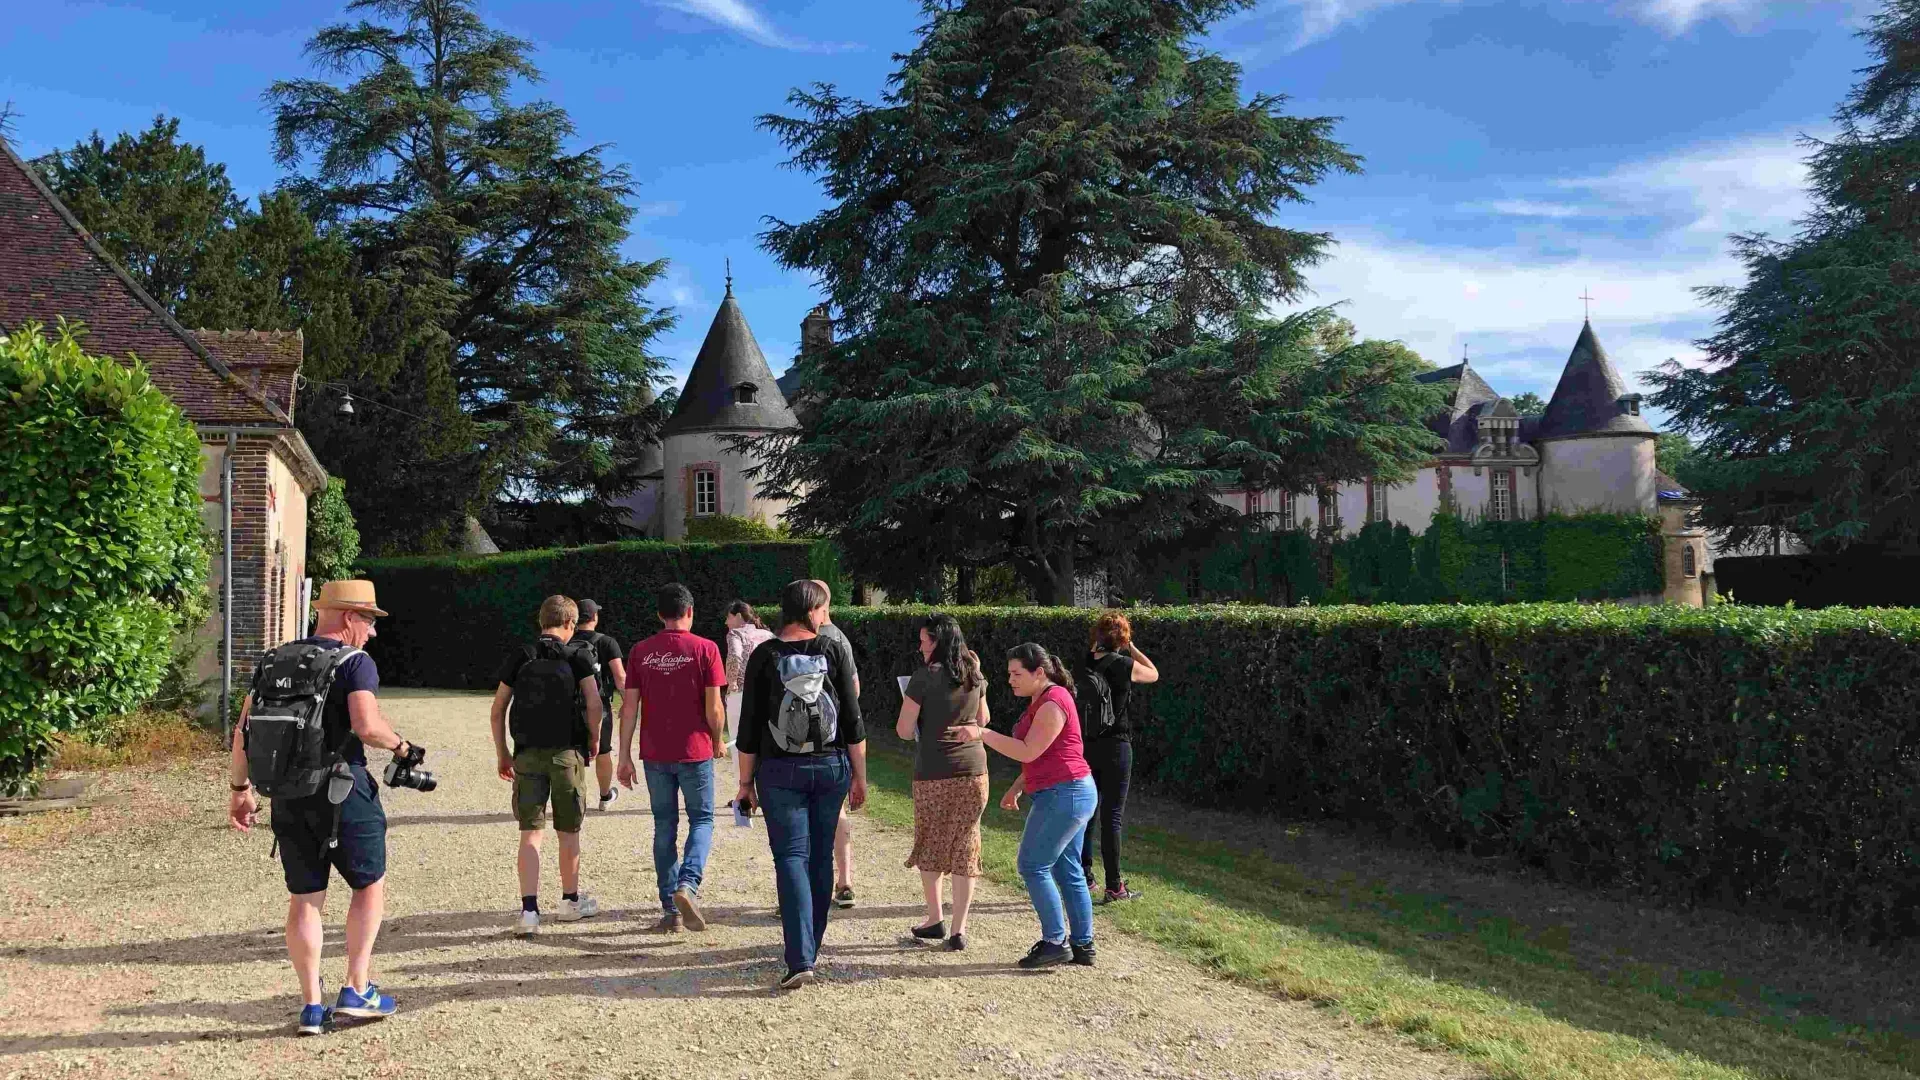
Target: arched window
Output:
{"points": [[1689, 562], [745, 393]]}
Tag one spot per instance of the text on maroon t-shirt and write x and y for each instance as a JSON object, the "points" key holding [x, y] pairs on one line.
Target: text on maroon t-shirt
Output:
{"points": [[673, 670]]}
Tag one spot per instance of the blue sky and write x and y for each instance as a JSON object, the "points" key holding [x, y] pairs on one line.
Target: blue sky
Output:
{"points": [[1518, 152]]}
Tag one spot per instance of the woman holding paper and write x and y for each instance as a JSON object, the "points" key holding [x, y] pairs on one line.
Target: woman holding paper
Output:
{"points": [[949, 776]]}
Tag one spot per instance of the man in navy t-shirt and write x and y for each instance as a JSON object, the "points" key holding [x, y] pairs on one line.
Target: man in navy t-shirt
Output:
{"points": [[302, 828]]}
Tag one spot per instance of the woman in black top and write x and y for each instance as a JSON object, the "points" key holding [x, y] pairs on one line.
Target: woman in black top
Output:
{"points": [[801, 785], [1110, 752]]}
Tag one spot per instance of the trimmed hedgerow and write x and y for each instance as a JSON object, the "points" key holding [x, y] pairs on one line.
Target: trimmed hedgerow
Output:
{"points": [[453, 617], [1739, 757], [1556, 557], [102, 559]]}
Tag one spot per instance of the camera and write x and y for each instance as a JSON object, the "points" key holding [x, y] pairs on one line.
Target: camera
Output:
{"points": [[405, 771]]}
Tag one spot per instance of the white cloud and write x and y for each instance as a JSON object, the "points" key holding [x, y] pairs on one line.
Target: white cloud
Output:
{"points": [[1675, 16], [740, 17], [1641, 238], [1320, 18]]}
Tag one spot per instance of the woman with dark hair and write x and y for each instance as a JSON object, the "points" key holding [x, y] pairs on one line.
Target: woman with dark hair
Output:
{"points": [[802, 747], [1115, 665], [745, 632], [1046, 743], [949, 777]]}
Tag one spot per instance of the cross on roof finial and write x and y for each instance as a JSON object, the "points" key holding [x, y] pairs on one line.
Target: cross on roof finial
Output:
{"points": [[1588, 302], [729, 275]]}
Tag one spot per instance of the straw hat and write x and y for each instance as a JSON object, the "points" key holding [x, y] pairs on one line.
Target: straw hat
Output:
{"points": [[349, 596]]}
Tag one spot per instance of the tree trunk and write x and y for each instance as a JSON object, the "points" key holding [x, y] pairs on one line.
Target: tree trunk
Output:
{"points": [[963, 585]]}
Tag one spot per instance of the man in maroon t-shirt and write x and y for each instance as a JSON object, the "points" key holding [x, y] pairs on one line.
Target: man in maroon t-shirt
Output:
{"points": [[672, 698]]}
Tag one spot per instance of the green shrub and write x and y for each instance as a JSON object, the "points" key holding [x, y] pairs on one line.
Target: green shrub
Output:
{"points": [[730, 529], [454, 617], [333, 540], [101, 550], [1741, 757]]}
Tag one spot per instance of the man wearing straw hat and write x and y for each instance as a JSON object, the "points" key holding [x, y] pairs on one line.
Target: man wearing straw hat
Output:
{"points": [[305, 830]]}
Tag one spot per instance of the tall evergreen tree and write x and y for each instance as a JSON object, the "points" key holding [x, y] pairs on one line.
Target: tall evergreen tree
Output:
{"points": [[173, 220], [499, 243], [1805, 406], [1051, 247]]}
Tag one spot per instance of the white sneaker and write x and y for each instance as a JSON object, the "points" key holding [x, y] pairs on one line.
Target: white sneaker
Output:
{"points": [[574, 910], [613, 796], [527, 924]]}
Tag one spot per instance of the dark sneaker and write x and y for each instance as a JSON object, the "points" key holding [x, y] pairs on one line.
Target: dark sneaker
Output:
{"points": [[689, 907], [796, 979], [669, 923], [1083, 955], [371, 1005], [315, 1020], [1115, 896], [843, 896], [1044, 954], [931, 933], [957, 943]]}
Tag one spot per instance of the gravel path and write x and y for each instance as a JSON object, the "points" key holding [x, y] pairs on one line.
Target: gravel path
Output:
{"points": [[144, 940]]}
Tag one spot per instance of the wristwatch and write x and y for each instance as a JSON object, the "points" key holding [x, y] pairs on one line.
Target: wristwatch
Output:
{"points": [[238, 788]]}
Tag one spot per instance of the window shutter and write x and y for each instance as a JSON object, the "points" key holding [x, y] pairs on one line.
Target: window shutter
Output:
{"points": [[688, 484]]}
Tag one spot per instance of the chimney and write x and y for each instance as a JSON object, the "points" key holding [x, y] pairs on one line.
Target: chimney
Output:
{"points": [[816, 330]]}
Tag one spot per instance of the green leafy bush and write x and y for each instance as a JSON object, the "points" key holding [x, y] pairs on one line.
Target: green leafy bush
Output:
{"points": [[333, 540], [1733, 756], [730, 529], [454, 617], [101, 554]]}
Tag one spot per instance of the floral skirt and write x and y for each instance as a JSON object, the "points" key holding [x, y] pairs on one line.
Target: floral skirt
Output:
{"points": [[946, 825]]}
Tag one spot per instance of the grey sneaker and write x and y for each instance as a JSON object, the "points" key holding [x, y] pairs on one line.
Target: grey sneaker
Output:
{"points": [[843, 896]]}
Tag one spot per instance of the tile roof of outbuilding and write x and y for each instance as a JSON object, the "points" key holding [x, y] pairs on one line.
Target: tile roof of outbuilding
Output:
{"points": [[51, 267]]}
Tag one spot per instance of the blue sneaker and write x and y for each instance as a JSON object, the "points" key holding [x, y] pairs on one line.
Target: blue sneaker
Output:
{"points": [[315, 1019], [371, 1005]]}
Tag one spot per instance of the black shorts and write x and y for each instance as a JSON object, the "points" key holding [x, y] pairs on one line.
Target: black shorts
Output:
{"points": [[606, 728], [303, 826]]}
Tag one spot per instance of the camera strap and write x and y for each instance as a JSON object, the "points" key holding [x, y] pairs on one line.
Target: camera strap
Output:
{"points": [[339, 787]]}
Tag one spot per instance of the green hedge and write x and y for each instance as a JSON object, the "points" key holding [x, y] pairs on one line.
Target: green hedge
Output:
{"points": [[1557, 557], [453, 617], [1739, 757], [102, 556]]}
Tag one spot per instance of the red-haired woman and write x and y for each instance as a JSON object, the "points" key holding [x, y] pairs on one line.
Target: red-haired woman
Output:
{"points": [[1119, 664]]}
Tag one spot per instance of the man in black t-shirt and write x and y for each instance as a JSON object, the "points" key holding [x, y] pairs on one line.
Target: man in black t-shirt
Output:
{"points": [[303, 828], [613, 680], [552, 690]]}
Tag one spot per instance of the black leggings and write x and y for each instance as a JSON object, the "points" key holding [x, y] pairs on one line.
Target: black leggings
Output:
{"points": [[1112, 762]]}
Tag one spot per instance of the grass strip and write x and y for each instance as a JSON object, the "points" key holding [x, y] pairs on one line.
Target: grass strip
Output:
{"points": [[1514, 1001]]}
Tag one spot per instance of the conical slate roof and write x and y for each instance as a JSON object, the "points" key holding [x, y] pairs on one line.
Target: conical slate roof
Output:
{"points": [[728, 359], [1587, 401]]}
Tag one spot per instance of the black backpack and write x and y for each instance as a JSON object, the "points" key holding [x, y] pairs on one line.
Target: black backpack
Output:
{"points": [[289, 755], [1094, 700], [548, 712]]}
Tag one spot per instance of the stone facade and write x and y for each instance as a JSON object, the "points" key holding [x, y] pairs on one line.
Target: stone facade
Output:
{"points": [[1590, 451]]}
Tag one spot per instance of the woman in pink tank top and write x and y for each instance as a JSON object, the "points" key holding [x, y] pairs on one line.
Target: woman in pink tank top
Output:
{"points": [[1053, 771]]}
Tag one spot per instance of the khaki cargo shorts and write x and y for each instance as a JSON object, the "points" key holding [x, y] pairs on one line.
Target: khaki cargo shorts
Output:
{"points": [[543, 776]]}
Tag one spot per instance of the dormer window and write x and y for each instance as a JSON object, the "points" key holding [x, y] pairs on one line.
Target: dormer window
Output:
{"points": [[1630, 405], [745, 393]]}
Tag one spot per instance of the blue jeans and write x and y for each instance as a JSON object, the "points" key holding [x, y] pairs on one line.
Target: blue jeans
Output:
{"points": [[801, 797], [666, 782], [1050, 860]]}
